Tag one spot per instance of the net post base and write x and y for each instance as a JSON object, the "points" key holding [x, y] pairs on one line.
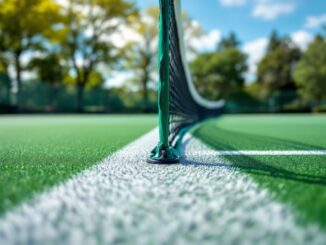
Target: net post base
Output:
{"points": [[164, 155]]}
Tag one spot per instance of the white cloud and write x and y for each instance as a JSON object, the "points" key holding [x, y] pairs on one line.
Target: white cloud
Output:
{"points": [[64, 3], [233, 3], [315, 21], [302, 39], [123, 36], [268, 10], [208, 41], [255, 50], [117, 79], [264, 9]]}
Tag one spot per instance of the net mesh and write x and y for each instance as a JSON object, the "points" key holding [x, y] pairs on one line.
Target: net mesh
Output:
{"points": [[186, 106]]}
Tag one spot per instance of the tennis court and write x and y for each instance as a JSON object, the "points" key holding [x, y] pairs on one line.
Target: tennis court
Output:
{"points": [[208, 196], [40, 151], [284, 154], [162, 122]]}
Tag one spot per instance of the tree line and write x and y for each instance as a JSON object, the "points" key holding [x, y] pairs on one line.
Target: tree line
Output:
{"points": [[69, 46], [70, 43], [73, 44], [287, 77]]}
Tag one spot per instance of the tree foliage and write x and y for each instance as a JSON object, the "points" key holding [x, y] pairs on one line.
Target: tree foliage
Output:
{"points": [[229, 42], [74, 42], [219, 74], [87, 42], [275, 41], [276, 68], [48, 68], [3, 65], [310, 74], [5, 85], [23, 26], [142, 52]]}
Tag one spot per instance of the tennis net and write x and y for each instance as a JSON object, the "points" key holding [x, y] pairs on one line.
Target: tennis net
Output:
{"points": [[180, 105]]}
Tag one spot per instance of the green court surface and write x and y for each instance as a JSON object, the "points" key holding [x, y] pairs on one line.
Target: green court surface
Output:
{"points": [[37, 152], [296, 180]]}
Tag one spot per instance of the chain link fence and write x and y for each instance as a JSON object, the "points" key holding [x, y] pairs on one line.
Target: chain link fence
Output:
{"points": [[38, 97], [278, 102]]}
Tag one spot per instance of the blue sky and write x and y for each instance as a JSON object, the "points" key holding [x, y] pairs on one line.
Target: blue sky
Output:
{"points": [[253, 21]]}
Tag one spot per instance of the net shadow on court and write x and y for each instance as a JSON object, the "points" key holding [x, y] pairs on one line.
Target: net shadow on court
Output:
{"points": [[251, 165], [294, 180]]}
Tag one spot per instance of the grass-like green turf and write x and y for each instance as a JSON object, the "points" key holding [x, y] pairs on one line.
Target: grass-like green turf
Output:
{"points": [[298, 181], [37, 152]]}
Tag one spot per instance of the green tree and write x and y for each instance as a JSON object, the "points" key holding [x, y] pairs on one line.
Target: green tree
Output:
{"points": [[51, 71], [219, 74], [276, 68], [310, 74], [95, 80], [88, 42], [23, 25], [4, 82], [228, 42], [49, 68], [275, 41], [142, 53], [3, 65]]}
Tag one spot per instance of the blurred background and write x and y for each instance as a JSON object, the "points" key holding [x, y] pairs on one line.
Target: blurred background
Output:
{"points": [[100, 56]]}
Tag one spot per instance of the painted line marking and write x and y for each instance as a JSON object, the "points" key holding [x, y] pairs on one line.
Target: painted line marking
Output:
{"points": [[264, 153], [125, 200]]}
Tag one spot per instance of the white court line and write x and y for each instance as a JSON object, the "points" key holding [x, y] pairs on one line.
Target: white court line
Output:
{"points": [[265, 153], [127, 201]]}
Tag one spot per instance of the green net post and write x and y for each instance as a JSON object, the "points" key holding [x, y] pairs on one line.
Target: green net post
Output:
{"points": [[164, 152]]}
